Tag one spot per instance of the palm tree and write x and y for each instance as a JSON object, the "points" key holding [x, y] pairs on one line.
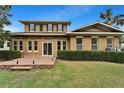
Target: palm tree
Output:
{"points": [[108, 18]]}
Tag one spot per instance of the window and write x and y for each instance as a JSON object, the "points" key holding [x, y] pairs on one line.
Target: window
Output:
{"points": [[1, 44], [79, 43], [94, 43], [8, 44], [109, 42], [49, 27], [41, 27], [61, 45], [21, 45], [64, 45], [32, 27], [30, 45], [60, 27], [15, 45], [35, 45]]}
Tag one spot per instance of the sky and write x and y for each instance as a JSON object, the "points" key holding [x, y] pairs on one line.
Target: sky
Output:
{"points": [[78, 15]]}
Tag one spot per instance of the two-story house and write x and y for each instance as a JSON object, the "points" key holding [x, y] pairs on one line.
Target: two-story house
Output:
{"points": [[47, 37]]}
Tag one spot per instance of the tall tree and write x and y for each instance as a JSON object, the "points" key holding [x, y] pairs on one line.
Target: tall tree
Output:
{"points": [[4, 21], [108, 18]]}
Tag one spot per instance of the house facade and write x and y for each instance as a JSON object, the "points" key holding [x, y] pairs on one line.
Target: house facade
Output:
{"points": [[45, 38]]}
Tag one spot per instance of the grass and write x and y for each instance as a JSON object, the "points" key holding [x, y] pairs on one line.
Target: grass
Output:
{"points": [[67, 74]]}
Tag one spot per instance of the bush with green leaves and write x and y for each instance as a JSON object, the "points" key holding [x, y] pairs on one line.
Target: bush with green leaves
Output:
{"points": [[8, 54], [117, 57]]}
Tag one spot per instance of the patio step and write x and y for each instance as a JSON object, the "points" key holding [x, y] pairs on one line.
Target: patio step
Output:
{"points": [[21, 68]]}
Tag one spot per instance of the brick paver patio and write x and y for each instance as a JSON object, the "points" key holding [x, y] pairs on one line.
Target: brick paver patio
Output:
{"points": [[48, 60]]}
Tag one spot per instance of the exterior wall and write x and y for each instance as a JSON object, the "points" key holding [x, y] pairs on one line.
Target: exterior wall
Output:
{"points": [[65, 28], [87, 43], [116, 42], [102, 43], [72, 43], [40, 41]]}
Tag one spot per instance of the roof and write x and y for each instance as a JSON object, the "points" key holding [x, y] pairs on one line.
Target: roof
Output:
{"points": [[39, 34], [96, 33], [64, 34], [98, 23], [47, 22]]}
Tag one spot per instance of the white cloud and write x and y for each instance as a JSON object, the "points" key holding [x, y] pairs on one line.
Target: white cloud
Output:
{"points": [[69, 12], [12, 28]]}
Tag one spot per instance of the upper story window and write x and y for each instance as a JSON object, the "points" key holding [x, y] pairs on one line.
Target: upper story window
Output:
{"points": [[94, 43], [49, 27], [32, 27], [79, 43], [109, 42], [41, 28], [60, 27]]}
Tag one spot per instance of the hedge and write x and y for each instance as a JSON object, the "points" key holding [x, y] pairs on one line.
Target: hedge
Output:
{"points": [[8, 54], [117, 57]]}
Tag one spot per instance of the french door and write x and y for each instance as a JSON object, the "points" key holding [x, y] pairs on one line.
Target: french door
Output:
{"points": [[47, 49]]}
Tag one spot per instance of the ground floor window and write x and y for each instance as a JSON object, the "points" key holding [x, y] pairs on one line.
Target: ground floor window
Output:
{"points": [[32, 46], [94, 43], [79, 43], [21, 45], [109, 42], [1, 44], [61, 45], [17, 45], [35, 45]]}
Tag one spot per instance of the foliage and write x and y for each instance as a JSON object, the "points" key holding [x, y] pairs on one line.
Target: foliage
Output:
{"points": [[7, 54], [4, 21], [109, 19], [117, 57]]}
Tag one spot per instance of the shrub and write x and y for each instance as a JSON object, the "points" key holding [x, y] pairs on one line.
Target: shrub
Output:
{"points": [[7, 54], [117, 57]]}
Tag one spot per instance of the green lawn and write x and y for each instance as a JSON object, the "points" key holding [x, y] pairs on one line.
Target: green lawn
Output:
{"points": [[67, 74]]}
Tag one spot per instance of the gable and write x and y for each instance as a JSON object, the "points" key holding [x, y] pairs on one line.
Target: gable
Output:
{"points": [[97, 27]]}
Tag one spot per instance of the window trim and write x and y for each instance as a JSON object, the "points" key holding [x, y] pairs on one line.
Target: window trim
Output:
{"points": [[61, 44], [110, 44], [33, 46], [94, 37], [18, 45], [48, 28], [61, 28], [81, 37], [34, 25]]}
